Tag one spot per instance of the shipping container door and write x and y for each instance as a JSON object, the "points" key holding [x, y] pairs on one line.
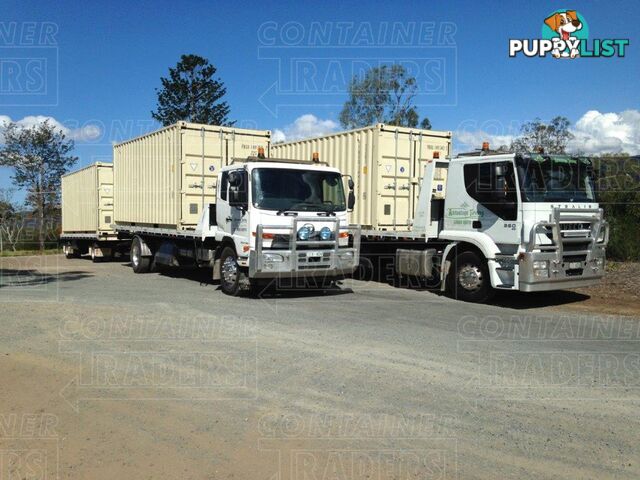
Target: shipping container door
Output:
{"points": [[394, 176], [203, 154], [105, 198]]}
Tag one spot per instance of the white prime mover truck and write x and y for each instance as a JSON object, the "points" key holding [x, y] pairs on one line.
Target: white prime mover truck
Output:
{"points": [[527, 222], [481, 223]]}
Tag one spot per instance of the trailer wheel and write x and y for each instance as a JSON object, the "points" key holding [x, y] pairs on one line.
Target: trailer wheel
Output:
{"points": [[139, 263], [468, 280], [230, 272], [72, 253]]}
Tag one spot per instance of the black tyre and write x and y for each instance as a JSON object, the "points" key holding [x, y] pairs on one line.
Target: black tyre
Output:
{"points": [[139, 263], [230, 272], [468, 278], [94, 257]]}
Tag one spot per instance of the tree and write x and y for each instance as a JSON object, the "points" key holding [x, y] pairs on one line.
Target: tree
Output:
{"points": [[618, 186], [12, 221], [191, 93], [551, 137], [384, 95], [425, 124], [39, 155]]}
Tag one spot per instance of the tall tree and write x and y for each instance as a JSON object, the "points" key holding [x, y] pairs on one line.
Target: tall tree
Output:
{"points": [[552, 137], [192, 93], [384, 94], [39, 155]]}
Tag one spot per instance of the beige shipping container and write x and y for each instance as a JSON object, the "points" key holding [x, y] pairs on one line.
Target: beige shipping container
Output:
{"points": [[166, 177], [87, 201], [386, 163]]}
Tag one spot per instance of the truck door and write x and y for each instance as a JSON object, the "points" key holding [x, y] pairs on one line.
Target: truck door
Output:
{"points": [[232, 211], [491, 204]]}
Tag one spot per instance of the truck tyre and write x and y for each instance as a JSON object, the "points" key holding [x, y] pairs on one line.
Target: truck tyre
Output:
{"points": [[94, 257], [139, 263], [75, 253], [230, 272], [468, 278]]}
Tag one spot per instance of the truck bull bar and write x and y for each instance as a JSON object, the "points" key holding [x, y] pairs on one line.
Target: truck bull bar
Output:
{"points": [[316, 258], [574, 256]]}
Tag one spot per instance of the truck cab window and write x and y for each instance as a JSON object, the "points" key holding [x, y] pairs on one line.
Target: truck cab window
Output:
{"points": [[493, 185], [224, 185]]}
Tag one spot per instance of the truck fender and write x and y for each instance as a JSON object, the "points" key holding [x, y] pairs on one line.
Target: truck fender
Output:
{"points": [[446, 264]]}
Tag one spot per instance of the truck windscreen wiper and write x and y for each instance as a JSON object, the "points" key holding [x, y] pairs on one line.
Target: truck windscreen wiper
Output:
{"points": [[328, 213], [287, 213]]}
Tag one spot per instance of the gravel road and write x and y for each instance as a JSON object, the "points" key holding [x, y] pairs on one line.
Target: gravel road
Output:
{"points": [[107, 374]]}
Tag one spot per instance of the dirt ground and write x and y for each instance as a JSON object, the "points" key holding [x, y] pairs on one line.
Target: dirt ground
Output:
{"points": [[105, 375], [617, 294]]}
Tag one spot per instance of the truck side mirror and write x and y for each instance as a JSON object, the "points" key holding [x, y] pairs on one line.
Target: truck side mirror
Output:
{"points": [[238, 195], [351, 184], [351, 200]]}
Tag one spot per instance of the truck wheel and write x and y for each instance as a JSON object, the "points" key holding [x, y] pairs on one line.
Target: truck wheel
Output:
{"points": [[230, 272], [139, 263], [468, 279], [94, 257], [72, 253]]}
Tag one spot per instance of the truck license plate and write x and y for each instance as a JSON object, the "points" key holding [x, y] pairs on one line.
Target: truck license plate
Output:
{"points": [[575, 264], [314, 254]]}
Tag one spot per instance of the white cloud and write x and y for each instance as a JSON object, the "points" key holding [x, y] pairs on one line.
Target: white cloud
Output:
{"points": [[597, 133], [594, 133], [472, 140], [85, 133], [305, 126]]}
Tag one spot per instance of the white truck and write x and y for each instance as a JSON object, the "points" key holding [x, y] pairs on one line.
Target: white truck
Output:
{"points": [[526, 222], [271, 219]]}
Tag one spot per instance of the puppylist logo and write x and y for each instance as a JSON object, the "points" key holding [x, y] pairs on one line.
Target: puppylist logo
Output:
{"points": [[565, 34]]}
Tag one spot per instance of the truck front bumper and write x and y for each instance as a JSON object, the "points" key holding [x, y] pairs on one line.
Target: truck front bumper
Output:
{"points": [[540, 271], [302, 263]]}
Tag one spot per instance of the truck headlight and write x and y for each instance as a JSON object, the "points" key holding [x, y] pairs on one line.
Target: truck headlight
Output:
{"points": [[273, 257], [346, 257], [540, 265], [325, 233], [303, 233], [541, 269]]}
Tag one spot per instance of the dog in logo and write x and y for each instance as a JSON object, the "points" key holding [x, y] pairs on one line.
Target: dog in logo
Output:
{"points": [[564, 24]]}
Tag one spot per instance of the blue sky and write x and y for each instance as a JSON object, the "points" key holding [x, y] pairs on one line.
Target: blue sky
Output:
{"points": [[104, 59]]}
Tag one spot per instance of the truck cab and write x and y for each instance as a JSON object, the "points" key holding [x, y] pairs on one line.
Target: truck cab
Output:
{"points": [[279, 218], [527, 222]]}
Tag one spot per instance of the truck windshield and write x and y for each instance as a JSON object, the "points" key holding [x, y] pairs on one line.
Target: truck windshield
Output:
{"points": [[298, 190], [555, 178]]}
